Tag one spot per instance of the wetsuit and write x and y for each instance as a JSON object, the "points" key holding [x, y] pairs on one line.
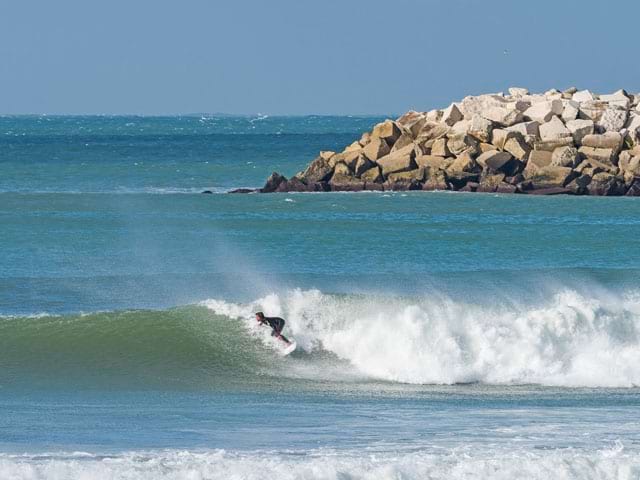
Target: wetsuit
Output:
{"points": [[277, 324]]}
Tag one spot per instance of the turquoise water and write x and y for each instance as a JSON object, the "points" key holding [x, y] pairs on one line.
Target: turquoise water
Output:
{"points": [[440, 335]]}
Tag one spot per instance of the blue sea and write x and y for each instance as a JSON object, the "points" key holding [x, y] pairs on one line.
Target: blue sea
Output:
{"points": [[440, 335]]}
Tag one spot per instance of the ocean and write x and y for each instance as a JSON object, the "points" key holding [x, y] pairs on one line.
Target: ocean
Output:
{"points": [[440, 335]]}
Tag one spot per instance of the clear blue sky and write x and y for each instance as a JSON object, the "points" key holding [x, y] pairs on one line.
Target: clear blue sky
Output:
{"points": [[303, 56]]}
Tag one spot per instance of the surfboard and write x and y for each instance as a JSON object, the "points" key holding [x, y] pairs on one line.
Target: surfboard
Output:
{"points": [[289, 348]]}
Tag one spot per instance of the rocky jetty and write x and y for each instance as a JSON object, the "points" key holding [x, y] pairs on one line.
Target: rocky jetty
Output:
{"points": [[572, 142]]}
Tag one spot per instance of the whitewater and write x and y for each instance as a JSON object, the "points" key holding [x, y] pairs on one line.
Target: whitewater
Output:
{"points": [[572, 340], [439, 335]]}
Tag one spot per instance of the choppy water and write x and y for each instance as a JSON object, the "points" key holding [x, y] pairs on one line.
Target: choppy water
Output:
{"points": [[441, 335]]}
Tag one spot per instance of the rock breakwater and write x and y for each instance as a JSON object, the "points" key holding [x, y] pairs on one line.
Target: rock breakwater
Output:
{"points": [[571, 142]]}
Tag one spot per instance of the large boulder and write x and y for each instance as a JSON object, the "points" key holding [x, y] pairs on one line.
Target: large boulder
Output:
{"points": [[592, 110], [504, 116], [494, 160], [578, 186], [634, 189], [479, 104], [294, 184], [414, 128], [518, 91], [612, 140], [435, 179], [433, 161], [273, 182], [565, 157], [373, 175], [618, 99], [349, 157], [355, 146], [319, 170], [452, 115], [440, 147], [542, 112], [629, 164], [606, 184], [570, 111], [537, 159], [341, 174], [553, 130], [590, 166], [613, 119], [582, 96], [604, 155], [431, 131], [327, 154], [480, 128], [517, 147], [579, 129], [409, 118], [526, 129], [403, 140], [551, 176], [490, 182], [462, 143], [343, 179], [362, 165], [377, 148], [500, 136], [462, 163], [416, 174], [551, 145], [399, 161], [387, 131], [458, 180], [632, 137]]}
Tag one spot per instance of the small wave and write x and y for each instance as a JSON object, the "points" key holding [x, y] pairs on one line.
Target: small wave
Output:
{"points": [[258, 118], [450, 464]]}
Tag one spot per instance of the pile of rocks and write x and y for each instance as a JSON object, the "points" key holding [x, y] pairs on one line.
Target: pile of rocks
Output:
{"points": [[557, 142]]}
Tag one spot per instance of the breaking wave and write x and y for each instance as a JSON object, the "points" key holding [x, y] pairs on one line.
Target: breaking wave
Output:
{"points": [[460, 463], [571, 340]]}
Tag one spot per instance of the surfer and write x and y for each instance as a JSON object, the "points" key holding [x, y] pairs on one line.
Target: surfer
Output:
{"points": [[276, 323]]}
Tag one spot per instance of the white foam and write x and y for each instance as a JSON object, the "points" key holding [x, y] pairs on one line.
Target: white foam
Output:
{"points": [[572, 340], [454, 464]]}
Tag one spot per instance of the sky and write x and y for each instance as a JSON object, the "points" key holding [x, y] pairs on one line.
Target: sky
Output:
{"points": [[303, 56]]}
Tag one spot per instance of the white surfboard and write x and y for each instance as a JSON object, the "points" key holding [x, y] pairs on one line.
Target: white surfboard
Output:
{"points": [[289, 348]]}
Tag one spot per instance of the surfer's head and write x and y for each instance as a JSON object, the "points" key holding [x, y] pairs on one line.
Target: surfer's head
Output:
{"points": [[259, 316]]}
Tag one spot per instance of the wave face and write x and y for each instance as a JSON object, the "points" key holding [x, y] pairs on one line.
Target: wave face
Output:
{"points": [[571, 340], [569, 464]]}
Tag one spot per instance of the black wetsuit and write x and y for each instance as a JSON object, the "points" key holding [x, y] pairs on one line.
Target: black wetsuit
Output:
{"points": [[277, 324]]}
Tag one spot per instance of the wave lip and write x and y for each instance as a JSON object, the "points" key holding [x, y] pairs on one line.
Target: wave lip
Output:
{"points": [[460, 463], [573, 340]]}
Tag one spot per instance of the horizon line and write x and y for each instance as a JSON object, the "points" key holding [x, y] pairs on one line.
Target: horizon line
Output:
{"points": [[199, 114]]}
